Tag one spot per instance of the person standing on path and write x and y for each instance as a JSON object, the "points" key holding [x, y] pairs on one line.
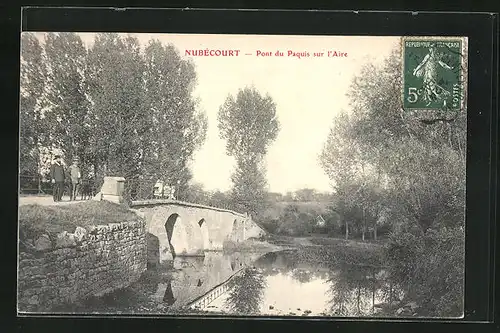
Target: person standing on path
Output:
{"points": [[58, 177], [75, 175]]}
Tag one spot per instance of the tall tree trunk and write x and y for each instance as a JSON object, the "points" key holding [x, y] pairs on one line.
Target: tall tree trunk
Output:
{"points": [[378, 210], [390, 293], [38, 173], [373, 291], [358, 299], [346, 229], [363, 227]]}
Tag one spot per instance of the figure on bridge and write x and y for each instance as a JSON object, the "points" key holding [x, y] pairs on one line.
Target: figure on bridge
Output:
{"points": [[163, 191], [58, 177]]}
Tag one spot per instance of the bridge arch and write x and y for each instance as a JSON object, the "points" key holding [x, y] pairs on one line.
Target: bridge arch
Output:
{"points": [[204, 234], [180, 235], [234, 232]]}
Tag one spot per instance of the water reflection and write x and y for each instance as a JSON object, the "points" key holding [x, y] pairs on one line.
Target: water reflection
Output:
{"points": [[194, 277], [278, 283], [281, 283], [246, 294], [353, 291], [168, 296]]}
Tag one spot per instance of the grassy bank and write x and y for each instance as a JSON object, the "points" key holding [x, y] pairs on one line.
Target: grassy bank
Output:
{"points": [[35, 220], [252, 245], [331, 251]]}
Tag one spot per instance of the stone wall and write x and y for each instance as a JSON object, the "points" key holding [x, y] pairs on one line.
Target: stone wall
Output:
{"points": [[73, 267]]}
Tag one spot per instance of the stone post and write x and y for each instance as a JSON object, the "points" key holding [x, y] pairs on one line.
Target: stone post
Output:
{"points": [[112, 190]]}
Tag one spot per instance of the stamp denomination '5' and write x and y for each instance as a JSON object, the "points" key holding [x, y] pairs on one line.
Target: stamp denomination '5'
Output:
{"points": [[433, 73]]}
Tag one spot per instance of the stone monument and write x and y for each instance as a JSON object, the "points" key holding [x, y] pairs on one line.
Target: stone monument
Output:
{"points": [[112, 190]]}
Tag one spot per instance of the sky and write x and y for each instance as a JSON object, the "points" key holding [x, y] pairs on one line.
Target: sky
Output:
{"points": [[308, 92]]}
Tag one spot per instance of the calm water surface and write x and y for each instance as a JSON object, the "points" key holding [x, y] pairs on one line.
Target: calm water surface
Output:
{"points": [[276, 283]]}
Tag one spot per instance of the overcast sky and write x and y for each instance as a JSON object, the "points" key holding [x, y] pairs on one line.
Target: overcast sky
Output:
{"points": [[308, 93]]}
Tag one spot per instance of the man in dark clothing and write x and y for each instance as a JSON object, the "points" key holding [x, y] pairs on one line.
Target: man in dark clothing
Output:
{"points": [[58, 177]]}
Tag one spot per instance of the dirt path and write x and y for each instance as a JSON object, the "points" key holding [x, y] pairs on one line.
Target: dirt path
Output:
{"points": [[44, 200]]}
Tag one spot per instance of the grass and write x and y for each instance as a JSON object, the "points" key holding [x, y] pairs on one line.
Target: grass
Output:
{"points": [[35, 220], [346, 253], [329, 251], [369, 243]]}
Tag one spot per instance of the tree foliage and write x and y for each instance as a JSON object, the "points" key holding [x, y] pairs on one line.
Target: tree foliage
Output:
{"points": [[405, 168], [65, 93], [32, 125], [248, 123], [179, 129], [123, 109], [381, 156]]}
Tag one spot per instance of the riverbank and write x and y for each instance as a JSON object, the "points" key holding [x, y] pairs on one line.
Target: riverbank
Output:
{"points": [[331, 251], [263, 245]]}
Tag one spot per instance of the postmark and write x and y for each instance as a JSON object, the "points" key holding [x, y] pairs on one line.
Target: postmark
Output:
{"points": [[433, 73]]}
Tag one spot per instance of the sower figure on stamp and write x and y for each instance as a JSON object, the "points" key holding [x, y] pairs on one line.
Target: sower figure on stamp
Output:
{"points": [[58, 177], [75, 175], [428, 69]]}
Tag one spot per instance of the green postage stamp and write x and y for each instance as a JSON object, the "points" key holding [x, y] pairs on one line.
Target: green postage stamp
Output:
{"points": [[434, 71]]}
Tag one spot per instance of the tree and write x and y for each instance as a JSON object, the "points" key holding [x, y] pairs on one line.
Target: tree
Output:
{"points": [[423, 156], [408, 168], [177, 128], [67, 103], [419, 165], [118, 112], [220, 199], [341, 158], [249, 124], [249, 188], [196, 194], [146, 124], [32, 86]]}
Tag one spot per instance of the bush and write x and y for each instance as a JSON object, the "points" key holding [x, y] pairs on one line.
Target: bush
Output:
{"points": [[430, 268], [269, 225]]}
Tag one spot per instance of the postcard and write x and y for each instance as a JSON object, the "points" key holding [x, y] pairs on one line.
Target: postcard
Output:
{"points": [[242, 175]]}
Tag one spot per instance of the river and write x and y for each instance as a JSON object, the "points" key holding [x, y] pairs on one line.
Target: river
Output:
{"points": [[250, 284]]}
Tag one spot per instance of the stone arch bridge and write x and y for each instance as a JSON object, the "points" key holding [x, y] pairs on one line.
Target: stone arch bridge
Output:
{"points": [[186, 229]]}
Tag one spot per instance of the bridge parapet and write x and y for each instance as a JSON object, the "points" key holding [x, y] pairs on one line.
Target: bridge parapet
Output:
{"points": [[159, 202]]}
